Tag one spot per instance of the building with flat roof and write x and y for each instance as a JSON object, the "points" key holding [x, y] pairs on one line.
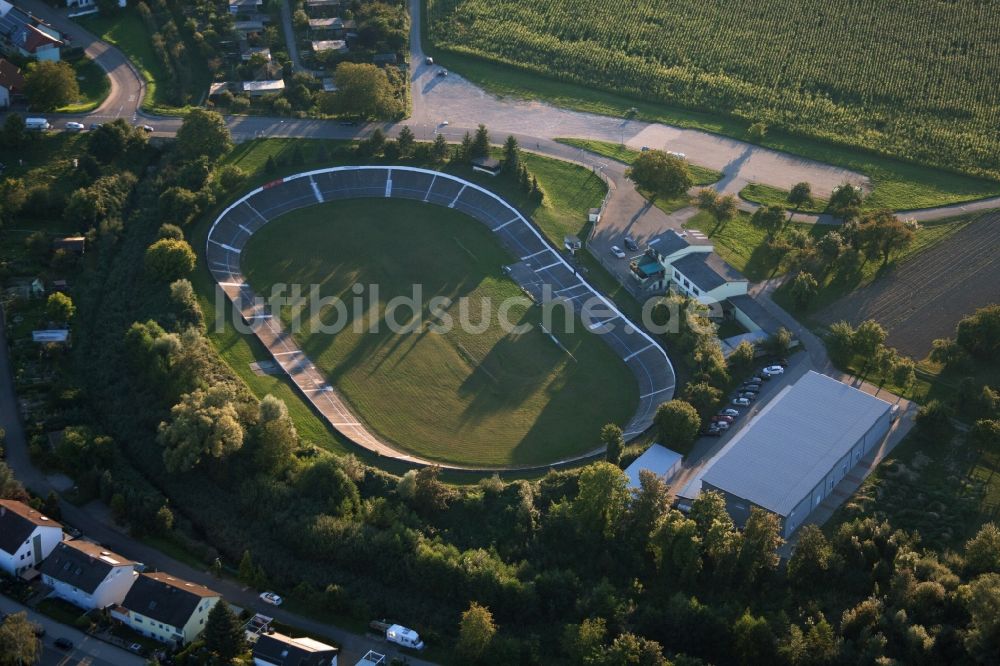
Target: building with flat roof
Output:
{"points": [[792, 455], [276, 649], [657, 459]]}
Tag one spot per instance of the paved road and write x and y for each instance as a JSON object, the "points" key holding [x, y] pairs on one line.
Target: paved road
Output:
{"points": [[94, 525], [86, 649], [127, 86]]}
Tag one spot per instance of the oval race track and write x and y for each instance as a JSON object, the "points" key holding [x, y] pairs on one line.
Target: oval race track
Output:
{"points": [[540, 269]]}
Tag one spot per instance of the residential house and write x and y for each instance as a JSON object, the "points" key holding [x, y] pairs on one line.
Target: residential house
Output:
{"points": [[23, 34], [249, 28], [165, 608], [87, 575], [26, 537], [74, 244], [261, 88], [11, 82], [245, 6], [705, 277], [323, 45], [280, 650]]}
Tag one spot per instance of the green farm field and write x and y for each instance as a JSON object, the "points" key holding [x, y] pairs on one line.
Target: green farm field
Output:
{"points": [[490, 398], [912, 80]]}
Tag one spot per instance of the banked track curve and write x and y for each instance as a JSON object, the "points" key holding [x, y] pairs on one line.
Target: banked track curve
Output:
{"points": [[537, 265]]}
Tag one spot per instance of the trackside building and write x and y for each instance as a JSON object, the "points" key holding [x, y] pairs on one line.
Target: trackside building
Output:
{"points": [[794, 453]]}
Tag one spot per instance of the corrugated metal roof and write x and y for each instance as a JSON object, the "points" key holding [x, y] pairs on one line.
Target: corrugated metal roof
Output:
{"points": [[778, 458]]}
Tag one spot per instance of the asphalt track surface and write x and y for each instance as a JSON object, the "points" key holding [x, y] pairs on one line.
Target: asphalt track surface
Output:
{"points": [[539, 268]]}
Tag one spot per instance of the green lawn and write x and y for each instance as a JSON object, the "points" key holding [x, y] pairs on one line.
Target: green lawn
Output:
{"points": [[897, 184], [765, 195], [127, 31], [622, 153], [94, 86], [570, 191], [477, 398], [60, 611]]}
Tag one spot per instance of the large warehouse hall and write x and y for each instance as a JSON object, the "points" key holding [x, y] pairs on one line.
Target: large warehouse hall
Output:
{"points": [[795, 452]]}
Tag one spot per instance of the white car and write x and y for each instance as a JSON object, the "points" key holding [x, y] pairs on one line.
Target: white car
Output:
{"points": [[617, 251], [72, 125], [271, 598], [444, 123], [147, 129], [729, 411], [773, 370], [741, 402], [429, 60]]}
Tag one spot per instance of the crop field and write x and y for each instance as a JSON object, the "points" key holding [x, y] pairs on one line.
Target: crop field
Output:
{"points": [[924, 297], [483, 396], [916, 80]]}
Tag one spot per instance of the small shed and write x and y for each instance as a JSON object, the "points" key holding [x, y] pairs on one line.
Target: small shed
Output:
{"points": [[55, 335], [594, 215], [323, 45], [75, 244], [488, 165], [659, 460], [572, 243], [329, 85], [258, 88], [384, 59]]}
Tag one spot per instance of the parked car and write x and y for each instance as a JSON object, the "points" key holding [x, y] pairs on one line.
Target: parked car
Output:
{"points": [[444, 123], [94, 126], [729, 411], [773, 370], [712, 432], [135, 647], [617, 251], [64, 644], [720, 425], [147, 129], [271, 598], [429, 60], [75, 126], [749, 396], [751, 388], [442, 72], [631, 244], [753, 380], [741, 402], [722, 417]]}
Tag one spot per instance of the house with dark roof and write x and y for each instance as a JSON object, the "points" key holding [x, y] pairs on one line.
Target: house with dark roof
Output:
{"points": [[25, 35], [705, 277], [245, 6], [26, 537], [87, 575], [650, 270], [11, 82], [165, 608], [280, 650]]}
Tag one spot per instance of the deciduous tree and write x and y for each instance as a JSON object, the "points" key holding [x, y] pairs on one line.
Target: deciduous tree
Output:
{"points": [[50, 84], [769, 218], [18, 644], [203, 424], [804, 289], [168, 259], [800, 195], [59, 308], [660, 174], [678, 424], [475, 632], [602, 499], [845, 201], [203, 132]]}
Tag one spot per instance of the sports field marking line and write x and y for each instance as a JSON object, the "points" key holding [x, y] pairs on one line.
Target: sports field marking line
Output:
{"points": [[634, 354], [455, 200], [598, 324], [545, 268], [643, 397], [516, 219], [249, 233], [388, 185], [319, 195], [258, 316], [535, 254], [565, 289], [233, 284], [262, 218], [345, 423], [428, 195], [224, 246], [288, 353]]}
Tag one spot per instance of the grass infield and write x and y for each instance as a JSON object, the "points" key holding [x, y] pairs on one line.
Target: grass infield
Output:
{"points": [[491, 398]]}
